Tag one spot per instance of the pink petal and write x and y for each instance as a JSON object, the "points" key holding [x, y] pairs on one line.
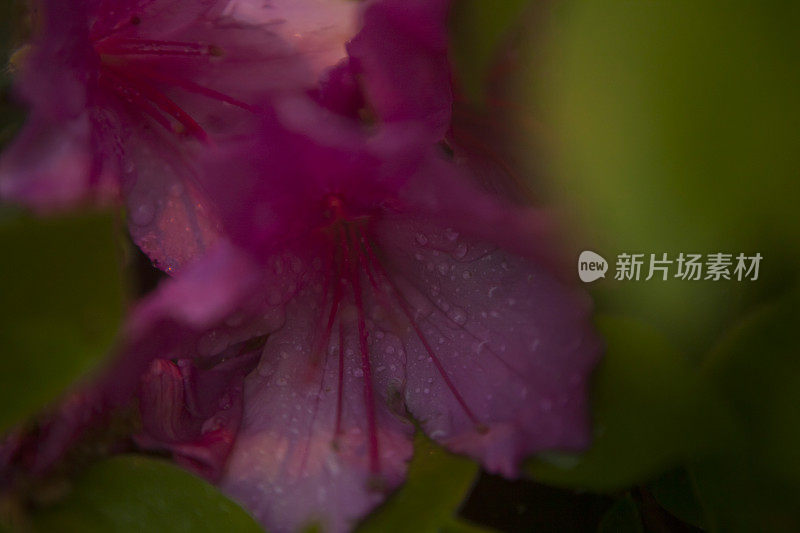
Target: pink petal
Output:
{"points": [[401, 56], [193, 413], [169, 216], [199, 314], [503, 369], [50, 165], [289, 466], [316, 29]]}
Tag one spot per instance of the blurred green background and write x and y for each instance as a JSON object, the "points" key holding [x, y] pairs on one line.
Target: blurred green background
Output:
{"points": [[650, 127]]}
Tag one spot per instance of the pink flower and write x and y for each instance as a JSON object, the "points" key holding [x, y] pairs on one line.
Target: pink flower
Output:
{"points": [[397, 68], [124, 95], [391, 289]]}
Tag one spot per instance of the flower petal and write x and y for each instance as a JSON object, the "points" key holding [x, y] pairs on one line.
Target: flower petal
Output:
{"points": [[290, 466], [194, 413], [401, 56], [51, 166], [315, 29], [500, 352]]}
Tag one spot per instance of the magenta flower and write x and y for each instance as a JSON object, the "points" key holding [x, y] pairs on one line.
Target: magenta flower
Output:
{"points": [[391, 289], [124, 95], [401, 56], [397, 68]]}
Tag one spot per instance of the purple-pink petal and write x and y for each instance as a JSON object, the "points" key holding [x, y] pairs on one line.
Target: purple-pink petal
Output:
{"points": [[499, 352], [311, 448], [400, 55]]}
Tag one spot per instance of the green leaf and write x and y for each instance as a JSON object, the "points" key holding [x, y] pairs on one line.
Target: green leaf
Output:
{"points": [[134, 493], [676, 131], [437, 484], [60, 303], [738, 496], [623, 517], [676, 492], [477, 30], [646, 399], [754, 482], [757, 367]]}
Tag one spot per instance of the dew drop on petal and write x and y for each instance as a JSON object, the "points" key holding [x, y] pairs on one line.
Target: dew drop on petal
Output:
{"points": [[457, 315], [142, 212]]}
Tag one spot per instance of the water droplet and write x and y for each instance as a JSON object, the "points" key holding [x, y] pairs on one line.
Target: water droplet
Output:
{"points": [[358, 373], [451, 234], [458, 315], [422, 240], [143, 212], [466, 274], [443, 268]]}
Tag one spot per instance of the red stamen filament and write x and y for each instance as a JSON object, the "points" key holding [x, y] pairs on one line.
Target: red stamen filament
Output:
{"points": [[404, 305], [127, 46], [340, 392], [159, 100], [369, 396]]}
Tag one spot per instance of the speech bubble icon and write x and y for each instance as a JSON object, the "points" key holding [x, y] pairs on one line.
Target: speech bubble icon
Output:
{"points": [[591, 266]]}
